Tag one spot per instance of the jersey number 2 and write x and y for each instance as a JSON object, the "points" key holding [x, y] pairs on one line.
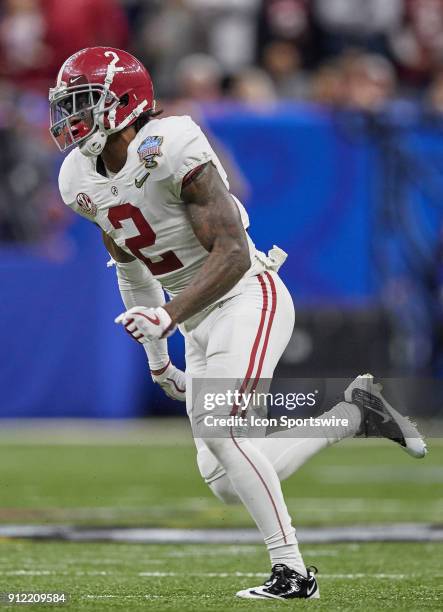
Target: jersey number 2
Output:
{"points": [[146, 238]]}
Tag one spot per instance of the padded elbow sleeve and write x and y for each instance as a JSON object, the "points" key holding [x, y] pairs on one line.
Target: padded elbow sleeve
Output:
{"points": [[139, 288]]}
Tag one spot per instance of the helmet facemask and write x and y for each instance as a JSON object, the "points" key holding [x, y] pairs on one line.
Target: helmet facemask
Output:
{"points": [[99, 91], [77, 115]]}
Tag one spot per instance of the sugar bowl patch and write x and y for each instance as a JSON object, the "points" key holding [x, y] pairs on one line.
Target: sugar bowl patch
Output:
{"points": [[149, 149]]}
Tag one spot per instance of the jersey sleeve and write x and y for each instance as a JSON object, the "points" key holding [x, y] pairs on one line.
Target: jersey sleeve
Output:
{"points": [[183, 148], [68, 186], [65, 182]]}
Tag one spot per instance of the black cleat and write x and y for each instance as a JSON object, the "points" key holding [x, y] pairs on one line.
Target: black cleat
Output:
{"points": [[285, 583], [379, 419]]}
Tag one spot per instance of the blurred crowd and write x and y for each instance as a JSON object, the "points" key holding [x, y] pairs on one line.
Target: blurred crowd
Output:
{"points": [[344, 53], [331, 51]]}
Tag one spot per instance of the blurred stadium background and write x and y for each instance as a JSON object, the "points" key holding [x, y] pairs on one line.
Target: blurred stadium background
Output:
{"points": [[328, 115]]}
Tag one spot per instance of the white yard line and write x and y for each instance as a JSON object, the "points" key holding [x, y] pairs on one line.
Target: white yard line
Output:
{"points": [[357, 576], [349, 576], [188, 575], [395, 532]]}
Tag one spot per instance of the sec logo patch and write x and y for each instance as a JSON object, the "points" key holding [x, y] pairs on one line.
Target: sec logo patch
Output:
{"points": [[86, 205]]}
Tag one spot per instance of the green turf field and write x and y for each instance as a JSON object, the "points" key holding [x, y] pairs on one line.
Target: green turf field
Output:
{"points": [[159, 485], [195, 578], [152, 480]]}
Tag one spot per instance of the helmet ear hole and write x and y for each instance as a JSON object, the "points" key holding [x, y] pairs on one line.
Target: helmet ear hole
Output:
{"points": [[124, 100]]}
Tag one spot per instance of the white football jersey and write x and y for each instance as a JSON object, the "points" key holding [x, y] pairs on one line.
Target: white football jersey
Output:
{"points": [[140, 206]]}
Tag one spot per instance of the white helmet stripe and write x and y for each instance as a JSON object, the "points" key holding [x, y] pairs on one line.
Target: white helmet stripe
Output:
{"points": [[112, 68]]}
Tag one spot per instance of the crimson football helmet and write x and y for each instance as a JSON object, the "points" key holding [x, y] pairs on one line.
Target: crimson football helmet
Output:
{"points": [[99, 91]]}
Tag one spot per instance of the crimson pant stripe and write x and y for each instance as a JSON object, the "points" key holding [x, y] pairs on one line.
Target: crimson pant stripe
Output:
{"points": [[271, 499], [260, 365], [268, 330], [256, 342]]}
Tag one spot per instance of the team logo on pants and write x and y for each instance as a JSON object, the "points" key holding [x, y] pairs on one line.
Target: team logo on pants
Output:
{"points": [[86, 205]]}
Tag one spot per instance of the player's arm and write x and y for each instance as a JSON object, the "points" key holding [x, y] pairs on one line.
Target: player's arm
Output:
{"points": [[216, 222], [139, 288], [118, 255]]}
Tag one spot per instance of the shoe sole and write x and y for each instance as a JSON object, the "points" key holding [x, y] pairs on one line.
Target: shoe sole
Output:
{"points": [[415, 445], [247, 595], [253, 594]]}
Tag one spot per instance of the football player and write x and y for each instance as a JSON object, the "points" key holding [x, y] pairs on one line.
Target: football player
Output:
{"points": [[161, 199]]}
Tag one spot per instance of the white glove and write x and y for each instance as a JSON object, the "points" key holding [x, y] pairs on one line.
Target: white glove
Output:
{"points": [[145, 324], [172, 381]]}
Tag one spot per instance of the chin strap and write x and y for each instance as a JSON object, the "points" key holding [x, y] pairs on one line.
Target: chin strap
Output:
{"points": [[94, 145]]}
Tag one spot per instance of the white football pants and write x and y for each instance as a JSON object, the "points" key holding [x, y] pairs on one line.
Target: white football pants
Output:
{"points": [[244, 338]]}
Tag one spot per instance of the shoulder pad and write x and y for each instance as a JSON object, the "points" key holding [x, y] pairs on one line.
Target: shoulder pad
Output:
{"points": [[68, 176], [165, 145]]}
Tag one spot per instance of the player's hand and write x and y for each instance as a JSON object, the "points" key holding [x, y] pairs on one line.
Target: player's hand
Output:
{"points": [[172, 381], [145, 324]]}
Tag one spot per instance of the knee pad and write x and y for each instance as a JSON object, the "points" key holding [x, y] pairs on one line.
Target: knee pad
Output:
{"points": [[210, 469], [215, 477], [221, 445]]}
